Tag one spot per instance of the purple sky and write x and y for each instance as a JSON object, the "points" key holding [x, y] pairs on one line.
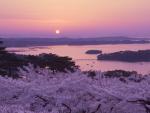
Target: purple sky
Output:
{"points": [[74, 18]]}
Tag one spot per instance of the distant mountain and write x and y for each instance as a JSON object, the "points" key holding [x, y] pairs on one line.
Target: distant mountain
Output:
{"points": [[24, 42]]}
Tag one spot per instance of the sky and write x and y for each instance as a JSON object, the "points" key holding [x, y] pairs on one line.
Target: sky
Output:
{"points": [[74, 18]]}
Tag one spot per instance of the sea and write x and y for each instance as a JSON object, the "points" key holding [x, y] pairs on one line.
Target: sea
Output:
{"points": [[88, 62]]}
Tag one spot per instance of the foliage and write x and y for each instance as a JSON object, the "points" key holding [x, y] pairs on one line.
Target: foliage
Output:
{"points": [[2, 48], [120, 73], [40, 91], [10, 62], [53, 62], [90, 73]]}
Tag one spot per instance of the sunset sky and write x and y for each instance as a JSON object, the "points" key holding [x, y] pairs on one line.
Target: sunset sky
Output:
{"points": [[74, 18]]}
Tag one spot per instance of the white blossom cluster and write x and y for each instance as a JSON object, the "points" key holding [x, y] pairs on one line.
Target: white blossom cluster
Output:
{"points": [[40, 91]]}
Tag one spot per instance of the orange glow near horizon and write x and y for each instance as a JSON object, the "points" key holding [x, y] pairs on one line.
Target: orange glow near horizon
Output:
{"points": [[75, 16]]}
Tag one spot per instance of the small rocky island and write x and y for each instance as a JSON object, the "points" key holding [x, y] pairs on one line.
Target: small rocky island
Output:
{"points": [[127, 56], [94, 52]]}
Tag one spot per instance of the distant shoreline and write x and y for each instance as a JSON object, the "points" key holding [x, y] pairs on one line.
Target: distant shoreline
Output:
{"points": [[30, 42], [30, 46]]}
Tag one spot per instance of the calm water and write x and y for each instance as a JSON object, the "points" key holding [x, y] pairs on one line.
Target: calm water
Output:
{"points": [[89, 62]]}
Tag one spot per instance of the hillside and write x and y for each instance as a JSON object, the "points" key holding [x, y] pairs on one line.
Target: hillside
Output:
{"points": [[40, 91]]}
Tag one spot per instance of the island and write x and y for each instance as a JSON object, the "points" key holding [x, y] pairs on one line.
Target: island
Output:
{"points": [[127, 56], [93, 52]]}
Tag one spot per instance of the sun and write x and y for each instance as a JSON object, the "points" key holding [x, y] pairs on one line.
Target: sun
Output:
{"points": [[57, 31]]}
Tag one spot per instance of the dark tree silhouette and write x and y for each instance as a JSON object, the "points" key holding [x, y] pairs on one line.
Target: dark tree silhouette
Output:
{"points": [[2, 48], [9, 62], [2, 58], [119, 73]]}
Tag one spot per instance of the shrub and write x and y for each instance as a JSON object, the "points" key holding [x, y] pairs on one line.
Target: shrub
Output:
{"points": [[119, 73]]}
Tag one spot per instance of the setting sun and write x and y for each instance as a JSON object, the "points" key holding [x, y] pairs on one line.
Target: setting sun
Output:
{"points": [[57, 31]]}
